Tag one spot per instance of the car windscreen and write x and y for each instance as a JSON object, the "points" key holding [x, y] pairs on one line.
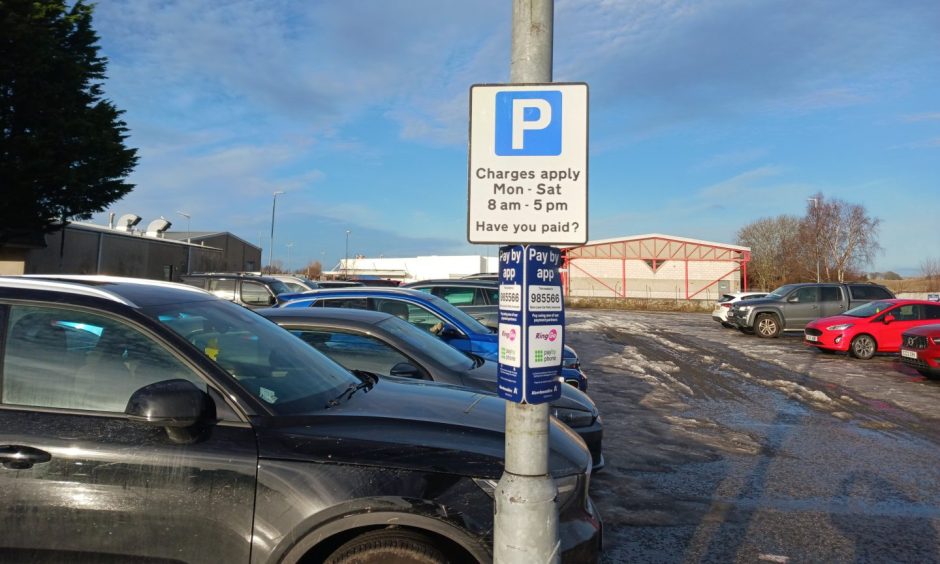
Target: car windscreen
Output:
{"points": [[869, 309], [471, 324], [279, 287], [424, 341], [725, 298], [781, 291], [276, 367]]}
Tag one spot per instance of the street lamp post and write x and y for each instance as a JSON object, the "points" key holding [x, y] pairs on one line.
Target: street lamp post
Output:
{"points": [[346, 260], [816, 245], [273, 206], [189, 227]]}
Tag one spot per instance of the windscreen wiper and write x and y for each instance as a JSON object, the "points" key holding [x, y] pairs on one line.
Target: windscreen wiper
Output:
{"points": [[347, 393]]}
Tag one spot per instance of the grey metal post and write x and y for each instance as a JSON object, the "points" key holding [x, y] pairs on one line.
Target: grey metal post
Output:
{"points": [[526, 523], [273, 206]]}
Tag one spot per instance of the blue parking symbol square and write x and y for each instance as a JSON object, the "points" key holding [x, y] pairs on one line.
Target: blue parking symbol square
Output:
{"points": [[528, 123]]}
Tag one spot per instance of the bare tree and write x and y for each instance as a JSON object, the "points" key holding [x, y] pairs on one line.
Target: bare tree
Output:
{"points": [[930, 270], [847, 236], [313, 271], [774, 249]]}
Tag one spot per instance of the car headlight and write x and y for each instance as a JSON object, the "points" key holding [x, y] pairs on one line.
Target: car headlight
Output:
{"points": [[488, 486], [568, 487], [839, 327], [573, 417]]}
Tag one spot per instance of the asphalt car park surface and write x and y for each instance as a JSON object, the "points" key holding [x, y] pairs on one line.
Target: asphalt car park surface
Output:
{"points": [[723, 447]]}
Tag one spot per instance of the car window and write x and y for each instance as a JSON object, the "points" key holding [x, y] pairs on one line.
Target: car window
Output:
{"points": [[278, 288], [422, 340], [353, 350], [457, 296], [295, 287], [803, 295], [224, 289], [267, 361], [348, 303], [460, 315], [869, 309], [910, 312], [726, 298], [780, 292], [256, 294], [932, 312], [416, 315], [73, 359], [869, 292], [830, 294], [753, 297], [492, 295]]}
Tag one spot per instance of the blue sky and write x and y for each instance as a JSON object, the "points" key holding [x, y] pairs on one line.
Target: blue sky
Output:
{"points": [[705, 116]]}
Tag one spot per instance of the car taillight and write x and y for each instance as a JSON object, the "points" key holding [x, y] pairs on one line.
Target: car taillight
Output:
{"points": [[726, 305]]}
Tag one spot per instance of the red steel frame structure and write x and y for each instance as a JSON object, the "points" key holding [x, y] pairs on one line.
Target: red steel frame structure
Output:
{"points": [[655, 248]]}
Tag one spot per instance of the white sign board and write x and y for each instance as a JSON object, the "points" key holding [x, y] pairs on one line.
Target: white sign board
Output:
{"points": [[528, 164]]}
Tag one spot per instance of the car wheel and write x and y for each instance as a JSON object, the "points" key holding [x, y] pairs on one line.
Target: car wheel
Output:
{"points": [[767, 326], [863, 347], [388, 545]]}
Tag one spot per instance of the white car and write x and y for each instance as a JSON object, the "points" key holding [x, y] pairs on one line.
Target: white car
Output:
{"points": [[724, 303]]}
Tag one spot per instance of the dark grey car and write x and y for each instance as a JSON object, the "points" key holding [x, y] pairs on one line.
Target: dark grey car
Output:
{"points": [[144, 421], [383, 344]]}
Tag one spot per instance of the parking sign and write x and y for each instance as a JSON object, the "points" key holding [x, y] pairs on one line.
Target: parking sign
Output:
{"points": [[528, 164]]}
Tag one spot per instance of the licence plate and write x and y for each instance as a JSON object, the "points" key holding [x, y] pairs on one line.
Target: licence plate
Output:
{"points": [[812, 338], [908, 354]]}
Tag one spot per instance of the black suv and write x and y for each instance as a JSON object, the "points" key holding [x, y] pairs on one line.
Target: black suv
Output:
{"points": [[151, 421], [249, 290]]}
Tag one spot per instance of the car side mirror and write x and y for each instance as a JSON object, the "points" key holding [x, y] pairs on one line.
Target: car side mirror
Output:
{"points": [[449, 332], [177, 405], [888, 319], [405, 370]]}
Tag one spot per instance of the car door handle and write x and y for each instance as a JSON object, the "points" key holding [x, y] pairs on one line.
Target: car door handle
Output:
{"points": [[19, 457]]}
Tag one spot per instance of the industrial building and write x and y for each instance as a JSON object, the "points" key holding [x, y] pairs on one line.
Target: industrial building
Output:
{"points": [[655, 266], [121, 249], [651, 266], [414, 268]]}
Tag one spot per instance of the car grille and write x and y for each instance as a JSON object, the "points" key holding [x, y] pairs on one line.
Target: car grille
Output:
{"points": [[916, 342], [915, 362], [811, 331]]}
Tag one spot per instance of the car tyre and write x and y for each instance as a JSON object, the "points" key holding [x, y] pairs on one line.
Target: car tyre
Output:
{"points": [[767, 326], [388, 545], [863, 347]]}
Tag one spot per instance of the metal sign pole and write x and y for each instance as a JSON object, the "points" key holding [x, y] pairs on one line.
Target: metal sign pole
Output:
{"points": [[526, 522]]}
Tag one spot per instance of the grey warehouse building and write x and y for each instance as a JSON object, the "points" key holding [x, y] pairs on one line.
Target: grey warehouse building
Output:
{"points": [[122, 250]]}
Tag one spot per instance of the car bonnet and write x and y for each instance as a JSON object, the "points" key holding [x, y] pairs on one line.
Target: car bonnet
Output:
{"points": [[414, 425]]}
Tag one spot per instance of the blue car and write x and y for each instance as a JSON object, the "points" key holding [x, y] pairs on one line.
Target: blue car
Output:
{"points": [[431, 313]]}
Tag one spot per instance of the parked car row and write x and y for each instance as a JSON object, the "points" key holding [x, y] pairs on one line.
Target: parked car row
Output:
{"points": [[144, 420], [859, 319]]}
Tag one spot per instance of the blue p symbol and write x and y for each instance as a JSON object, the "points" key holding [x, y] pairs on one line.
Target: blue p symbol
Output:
{"points": [[528, 123]]}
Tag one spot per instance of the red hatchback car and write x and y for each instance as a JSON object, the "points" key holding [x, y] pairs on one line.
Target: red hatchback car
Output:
{"points": [[870, 328], [920, 349]]}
